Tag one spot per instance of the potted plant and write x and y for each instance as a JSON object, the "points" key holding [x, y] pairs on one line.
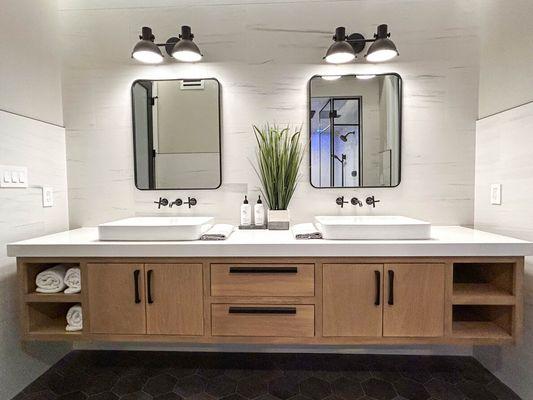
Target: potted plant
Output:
{"points": [[279, 155]]}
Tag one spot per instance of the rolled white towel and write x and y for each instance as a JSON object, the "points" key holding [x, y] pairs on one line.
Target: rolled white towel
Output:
{"points": [[73, 280], [306, 231], [51, 280], [74, 319], [218, 232]]}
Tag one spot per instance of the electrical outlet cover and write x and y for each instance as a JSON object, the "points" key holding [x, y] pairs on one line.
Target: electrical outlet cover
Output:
{"points": [[48, 196], [496, 194]]}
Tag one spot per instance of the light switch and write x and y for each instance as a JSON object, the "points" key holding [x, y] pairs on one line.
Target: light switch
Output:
{"points": [[48, 196], [13, 176], [496, 194]]}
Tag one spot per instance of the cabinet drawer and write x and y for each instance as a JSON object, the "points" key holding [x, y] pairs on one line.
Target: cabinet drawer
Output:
{"points": [[263, 280], [263, 320]]}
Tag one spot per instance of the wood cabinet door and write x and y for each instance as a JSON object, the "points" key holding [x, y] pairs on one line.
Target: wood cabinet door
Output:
{"points": [[352, 299], [414, 300], [174, 299], [116, 298]]}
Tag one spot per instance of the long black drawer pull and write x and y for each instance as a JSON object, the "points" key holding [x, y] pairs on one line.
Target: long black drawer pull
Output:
{"points": [[262, 310], [136, 282], [391, 288], [149, 285], [263, 270], [378, 288]]}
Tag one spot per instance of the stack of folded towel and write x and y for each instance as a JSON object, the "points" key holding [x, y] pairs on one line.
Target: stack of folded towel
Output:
{"points": [[59, 278], [306, 231], [74, 319], [218, 232]]}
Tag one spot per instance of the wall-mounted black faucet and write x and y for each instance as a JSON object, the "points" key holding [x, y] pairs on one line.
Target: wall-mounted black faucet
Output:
{"points": [[177, 202], [340, 201], [191, 202], [371, 201], [162, 202], [356, 202]]}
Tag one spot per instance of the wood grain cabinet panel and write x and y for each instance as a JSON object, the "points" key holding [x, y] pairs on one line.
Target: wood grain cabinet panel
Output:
{"points": [[352, 299], [263, 320], [414, 300], [268, 280], [174, 299], [116, 307]]}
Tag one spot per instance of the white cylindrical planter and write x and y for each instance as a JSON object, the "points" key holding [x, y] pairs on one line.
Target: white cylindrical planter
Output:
{"points": [[278, 219]]}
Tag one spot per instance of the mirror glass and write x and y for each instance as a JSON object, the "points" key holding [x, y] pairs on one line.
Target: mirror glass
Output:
{"points": [[176, 132], [355, 130]]}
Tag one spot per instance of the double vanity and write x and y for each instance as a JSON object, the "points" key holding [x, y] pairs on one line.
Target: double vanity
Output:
{"points": [[459, 286]]}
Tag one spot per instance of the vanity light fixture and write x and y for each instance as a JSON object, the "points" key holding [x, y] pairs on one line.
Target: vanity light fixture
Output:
{"points": [[345, 48], [365, 77], [182, 48]]}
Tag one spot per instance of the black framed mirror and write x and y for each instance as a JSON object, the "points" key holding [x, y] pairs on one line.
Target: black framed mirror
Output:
{"points": [[355, 126], [177, 134]]}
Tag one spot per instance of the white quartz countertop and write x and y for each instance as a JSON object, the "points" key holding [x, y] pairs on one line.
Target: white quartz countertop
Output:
{"points": [[446, 241]]}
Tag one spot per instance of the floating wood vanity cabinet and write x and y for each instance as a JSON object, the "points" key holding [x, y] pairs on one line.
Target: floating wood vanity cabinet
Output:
{"points": [[289, 300]]}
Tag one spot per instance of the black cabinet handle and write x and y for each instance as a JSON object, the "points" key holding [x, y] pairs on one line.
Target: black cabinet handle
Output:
{"points": [[391, 288], [262, 310], [263, 270], [378, 288], [136, 281], [149, 285]]}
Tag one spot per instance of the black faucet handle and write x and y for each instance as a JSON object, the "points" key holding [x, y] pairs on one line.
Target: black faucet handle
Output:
{"points": [[177, 202], [371, 201], [191, 202], [356, 202], [340, 201], [161, 202]]}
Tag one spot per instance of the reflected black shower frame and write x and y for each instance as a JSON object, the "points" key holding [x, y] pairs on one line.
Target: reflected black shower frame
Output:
{"points": [[219, 99], [400, 131]]}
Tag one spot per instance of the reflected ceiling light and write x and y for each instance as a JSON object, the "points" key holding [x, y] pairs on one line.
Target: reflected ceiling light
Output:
{"points": [[345, 48], [365, 77], [181, 48], [146, 51], [330, 77]]}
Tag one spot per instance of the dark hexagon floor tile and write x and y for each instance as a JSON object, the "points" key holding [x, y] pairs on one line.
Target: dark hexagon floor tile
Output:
{"points": [[378, 389], [475, 391], [104, 396], [267, 396], [168, 396], [42, 395], [501, 391], [416, 374], [251, 388], [200, 396], [283, 388], [316, 389], [62, 385], [73, 396], [159, 384], [233, 396], [302, 397], [442, 390], [452, 377], [137, 396], [411, 390], [389, 375], [220, 386], [179, 372], [327, 375], [238, 374], [100, 383], [190, 385], [128, 384], [357, 375], [347, 389], [472, 370]]}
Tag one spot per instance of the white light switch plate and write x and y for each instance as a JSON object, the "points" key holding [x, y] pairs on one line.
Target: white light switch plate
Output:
{"points": [[48, 196], [496, 194], [12, 176]]}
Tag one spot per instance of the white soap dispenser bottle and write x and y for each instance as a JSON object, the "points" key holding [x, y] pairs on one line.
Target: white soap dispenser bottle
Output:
{"points": [[246, 213], [259, 213]]}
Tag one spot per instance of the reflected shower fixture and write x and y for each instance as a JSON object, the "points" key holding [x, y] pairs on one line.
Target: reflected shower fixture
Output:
{"points": [[345, 48], [344, 137], [181, 48]]}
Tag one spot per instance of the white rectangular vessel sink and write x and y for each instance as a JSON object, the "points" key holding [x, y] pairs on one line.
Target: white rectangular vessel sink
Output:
{"points": [[391, 227], [155, 228]]}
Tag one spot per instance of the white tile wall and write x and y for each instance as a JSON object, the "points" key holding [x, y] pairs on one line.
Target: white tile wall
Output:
{"points": [[264, 53], [40, 147], [504, 150]]}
